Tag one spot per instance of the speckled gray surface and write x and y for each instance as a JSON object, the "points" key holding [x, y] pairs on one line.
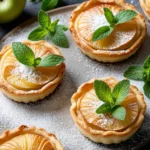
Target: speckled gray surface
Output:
{"points": [[52, 113]]}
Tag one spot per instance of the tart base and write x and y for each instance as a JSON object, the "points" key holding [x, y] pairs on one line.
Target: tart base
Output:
{"points": [[102, 136], [10, 134], [36, 94], [145, 8], [107, 55]]}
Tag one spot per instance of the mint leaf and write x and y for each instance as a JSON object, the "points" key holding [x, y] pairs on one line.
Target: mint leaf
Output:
{"points": [[37, 61], [146, 89], [23, 53], [102, 33], [49, 4], [51, 60], [59, 38], [109, 16], [62, 27], [120, 18], [103, 91], [53, 25], [35, 0], [119, 113], [146, 75], [121, 91], [104, 108], [147, 63], [134, 72], [44, 19], [125, 16], [37, 34]]}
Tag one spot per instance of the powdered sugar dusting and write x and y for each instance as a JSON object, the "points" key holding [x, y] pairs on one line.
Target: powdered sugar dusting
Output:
{"points": [[25, 72], [53, 112]]}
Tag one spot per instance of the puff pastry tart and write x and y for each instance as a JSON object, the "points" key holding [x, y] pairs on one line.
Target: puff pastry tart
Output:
{"points": [[123, 42], [104, 128], [145, 4], [26, 84], [29, 138]]}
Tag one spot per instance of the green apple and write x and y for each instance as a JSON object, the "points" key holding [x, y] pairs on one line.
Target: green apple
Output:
{"points": [[10, 9]]}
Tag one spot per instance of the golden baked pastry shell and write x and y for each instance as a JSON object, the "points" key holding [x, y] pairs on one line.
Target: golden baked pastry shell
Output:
{"points": [[102, 136], [10, 134], [145, 8], [32, 95], [103, 55]]}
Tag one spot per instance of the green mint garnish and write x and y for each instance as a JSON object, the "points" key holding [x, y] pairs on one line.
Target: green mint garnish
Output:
{"points": [[49, 4], [25, 55], [125, 16], [103, 91], [53, 30], [119, 113], [121, 17], [141, 73], [51, 60], [109, 16], [35, 0], [44, 19], [112, 100], [102, 32], [38, 34]]}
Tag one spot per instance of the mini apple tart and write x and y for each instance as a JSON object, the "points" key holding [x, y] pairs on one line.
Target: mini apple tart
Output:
{"points": [[30, 71], [145, 4], [107, 30], [107, 111], [29, 138]]}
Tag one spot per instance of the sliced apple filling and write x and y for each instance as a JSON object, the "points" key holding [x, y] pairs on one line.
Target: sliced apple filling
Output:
{"points": [[145, 4], [101, 39], [28, 142], [89, 103], [121, 38], [23, 77]]}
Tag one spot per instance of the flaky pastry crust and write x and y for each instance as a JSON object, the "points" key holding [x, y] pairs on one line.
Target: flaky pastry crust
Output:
{"points": [[22, 130], [145, 4], [32, 95], [107, 55], [99, 135]]}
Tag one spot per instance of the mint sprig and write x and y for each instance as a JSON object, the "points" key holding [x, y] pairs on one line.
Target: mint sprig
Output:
{"points": [[141, 73], [52, 30], [121, 17], [35, 0], [49, 4], [26, 56], [112, 100]]}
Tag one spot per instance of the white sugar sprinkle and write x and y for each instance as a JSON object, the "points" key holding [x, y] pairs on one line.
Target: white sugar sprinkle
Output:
{"points": [[26, 72]]}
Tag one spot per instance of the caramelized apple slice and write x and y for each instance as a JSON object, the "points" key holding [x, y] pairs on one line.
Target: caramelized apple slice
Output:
{"points": [[51, 72], [89, 103], [22, 84], [121, 38], [147, 3], [27, 142]]}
